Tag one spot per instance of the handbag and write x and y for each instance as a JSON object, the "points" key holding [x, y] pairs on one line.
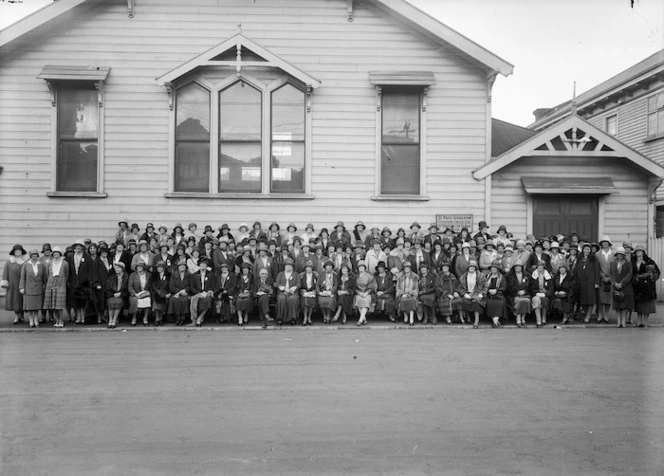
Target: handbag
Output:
{"points": [[618, 296]]}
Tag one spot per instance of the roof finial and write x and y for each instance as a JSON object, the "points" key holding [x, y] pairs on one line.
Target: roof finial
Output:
{"points": [[574, 100]]}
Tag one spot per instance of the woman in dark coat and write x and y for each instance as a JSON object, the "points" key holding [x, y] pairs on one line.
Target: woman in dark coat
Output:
{"points": [[11, 278], [159, 289], [587, 276], [101, 269], [385, 289], [345, 293], [542, 292], [31, 286], [620, 274], [225, 292], [563, 293], [244, 302], [80, 265], [327, 291], [178, 304], [308, 291], [288, 296], [426, 295], [449, 300], [117, 292], [519, 291], [263, 291], [495, 294], [646, 274], [121, 254]]}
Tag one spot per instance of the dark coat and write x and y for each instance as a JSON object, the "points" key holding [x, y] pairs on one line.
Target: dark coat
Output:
{"points": [[195, 287], [225, 286], [587, 275], [112, 286], [80, 279], [160, 286], [514, 285], [175, 284]]}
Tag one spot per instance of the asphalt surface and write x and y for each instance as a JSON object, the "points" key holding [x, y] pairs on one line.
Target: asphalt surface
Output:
{"points": [[329, 401]]}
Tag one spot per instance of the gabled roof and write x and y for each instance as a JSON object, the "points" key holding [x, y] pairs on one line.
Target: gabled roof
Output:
{"points": [[400, 8], [505, 135], [572, 137], [237, 42], [652, 65]]}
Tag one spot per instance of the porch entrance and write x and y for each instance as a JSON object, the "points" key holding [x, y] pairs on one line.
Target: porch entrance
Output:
{"points": [[565, 214]]}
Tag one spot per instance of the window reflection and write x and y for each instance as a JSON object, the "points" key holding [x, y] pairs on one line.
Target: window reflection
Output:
{"points": [[192, 136], [288, 132]]}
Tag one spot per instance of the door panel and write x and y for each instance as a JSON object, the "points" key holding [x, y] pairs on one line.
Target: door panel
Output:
{"points": [[557, 214]]}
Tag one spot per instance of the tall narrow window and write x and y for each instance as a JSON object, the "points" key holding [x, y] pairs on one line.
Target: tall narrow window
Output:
{"points": [[612, 125], [192, 139], [400, 155], [78, 132], [240, 146], [288, 133], [656, 115]]}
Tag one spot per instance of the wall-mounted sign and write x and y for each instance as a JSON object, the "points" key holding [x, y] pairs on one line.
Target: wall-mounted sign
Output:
{"points": [[455, 222]]}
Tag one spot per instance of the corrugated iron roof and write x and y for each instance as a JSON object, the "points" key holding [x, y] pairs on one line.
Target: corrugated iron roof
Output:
{"points": [[505, 135]]}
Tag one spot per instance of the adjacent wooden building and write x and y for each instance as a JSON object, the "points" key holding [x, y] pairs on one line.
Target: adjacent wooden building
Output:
{"points": [[288, 110]]}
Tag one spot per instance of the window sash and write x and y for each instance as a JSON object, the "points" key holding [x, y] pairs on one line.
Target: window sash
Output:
{"points": [[655, 117]]}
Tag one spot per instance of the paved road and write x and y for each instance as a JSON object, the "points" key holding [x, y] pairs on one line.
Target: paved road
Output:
{"points": [[323, 401]]}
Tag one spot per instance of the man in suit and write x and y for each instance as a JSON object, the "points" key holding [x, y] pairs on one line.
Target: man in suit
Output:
{"points": [[221, 256], [201, 289]]}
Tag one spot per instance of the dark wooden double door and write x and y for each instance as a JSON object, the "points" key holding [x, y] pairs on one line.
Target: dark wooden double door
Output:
{"points": [[553, 214]]}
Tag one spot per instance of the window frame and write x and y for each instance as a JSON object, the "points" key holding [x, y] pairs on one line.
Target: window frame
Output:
{"points": [[266, 90], [656, 112], [56, 87], [423, 94]]}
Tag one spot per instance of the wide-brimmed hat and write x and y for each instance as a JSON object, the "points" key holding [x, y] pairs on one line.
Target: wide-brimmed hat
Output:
{"points": [[446, 263], [242, 225], [386, 229], [555, 244], [125, 221], [607, 239], [191, 225], [141, 264], [481, 225], [508, 248], [340, 224], [160, 264], [205, 260], [502, 228], [330, 262], [309, 264], [619, 251], [488, 243], [246, 265], [165, 245], [120, 264], [178, 225], [142, 242], [262, 246], [162, 226], [433, 226], [56, 249], [472, 263], [102, 247], [134, 226], [381, 264], [291, 225], [465, 245], [309, 225], [288, 261], [305, 244], [415, 224], [360, 223], [80, 241], [224, 227], [274, 223], [256, 222], [149, 225], [640, 248], [47, 246]]}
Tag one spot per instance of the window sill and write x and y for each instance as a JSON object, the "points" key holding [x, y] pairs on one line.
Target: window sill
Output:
{"points": [[653, 138], [241, 196], [76, 194], [400, 198]]}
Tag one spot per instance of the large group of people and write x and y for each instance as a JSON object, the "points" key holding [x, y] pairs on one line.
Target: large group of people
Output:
{"points": [[292, 276]]}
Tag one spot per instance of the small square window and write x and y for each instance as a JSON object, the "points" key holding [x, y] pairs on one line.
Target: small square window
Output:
{"points": [[612, 125]]}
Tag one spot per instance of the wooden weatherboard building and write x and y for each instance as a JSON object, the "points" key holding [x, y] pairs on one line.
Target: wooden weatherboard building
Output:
{"points": [[302, 110]]}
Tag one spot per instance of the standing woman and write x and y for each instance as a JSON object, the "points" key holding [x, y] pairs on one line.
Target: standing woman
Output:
{"points": [[472, 288], [407, 289], [365, 287], [587, 275], [55, 298], [621, 282], [101, 269], [122, 255], [274, 233], [646, 274], [192, 262], [519, 289], [79, 280], [563, 293], [31, 286], [288, 299], [159, 289], [385, 289], [327, 291], [116, 293], [11, 279], [495, 295], [122, 235], [427, 295], [178, 304], [46, 259], [244, 303], [143, 255], [543, 292], [139, 293], [604, 259], [345, 293], [179, 256], [309, 284], [463, 259]]}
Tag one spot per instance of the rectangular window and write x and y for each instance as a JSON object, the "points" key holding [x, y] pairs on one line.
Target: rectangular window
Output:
{"points": [[656, 115], [77, 160], [192, 139], [612, 125], [288, 133], [240, 133], [400, 142]]}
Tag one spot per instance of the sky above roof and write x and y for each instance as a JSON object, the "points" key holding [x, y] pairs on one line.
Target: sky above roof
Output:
{"points": [[550, 43]]}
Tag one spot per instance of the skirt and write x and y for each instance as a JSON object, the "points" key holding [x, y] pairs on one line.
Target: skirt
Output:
{"points": [[360, 302], [626, 304], [521, 305], [178, 306], [346, 303], [428, 300], [646, 307], [115, 303], [327, 302], [563, 304], [495, 307], [447, 306], [160, 305], [55, 298], [288, 307], [33, 302], [407, 304], [308, 302], [245, 304], [386, 304], [540, 303], [472, 305], [135, 304]]}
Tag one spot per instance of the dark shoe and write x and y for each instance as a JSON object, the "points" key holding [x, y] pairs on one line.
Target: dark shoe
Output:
{"points": [[264, 325], [133, 324], [539, 326], [475, 326]]}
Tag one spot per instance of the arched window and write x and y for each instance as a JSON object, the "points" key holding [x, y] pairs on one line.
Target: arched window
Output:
{"points": [[192, 139], [288, 139], [240, 134]]}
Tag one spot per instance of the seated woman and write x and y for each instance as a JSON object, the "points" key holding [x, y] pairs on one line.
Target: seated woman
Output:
{"points": [[327, 291], [385, 289], [495, 295], [519, 289], [139, 293], [448, 298], [426, 295], [309, 283], [345, 293], [159, 289], [288, 298], [225, 292], [263, 291], [563, 293], [201, 289], [178, 304], [244, 303], [407, 289], [472, 288], [117, 292], [543, 292], [365, 287]]}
